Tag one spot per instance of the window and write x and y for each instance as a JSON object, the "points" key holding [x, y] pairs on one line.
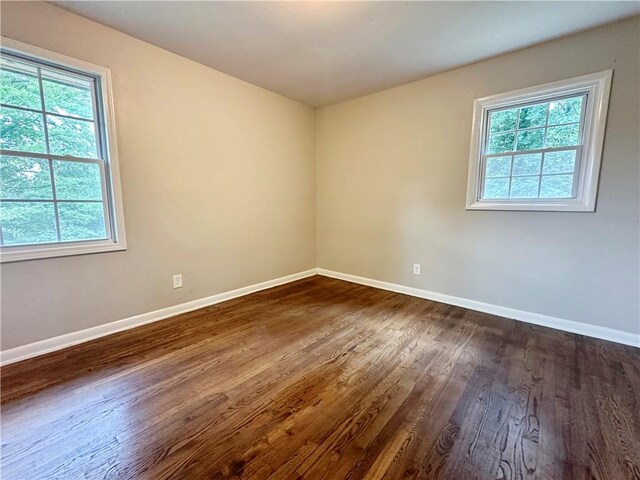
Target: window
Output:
{"points": [[539, 148], [59, 185]]}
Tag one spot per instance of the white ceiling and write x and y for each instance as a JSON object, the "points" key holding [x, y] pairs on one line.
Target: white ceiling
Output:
{"points": [[322, 53]]}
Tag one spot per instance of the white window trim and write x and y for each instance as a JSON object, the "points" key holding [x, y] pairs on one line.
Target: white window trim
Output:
{"points": [[597, 86], [118, 241]]}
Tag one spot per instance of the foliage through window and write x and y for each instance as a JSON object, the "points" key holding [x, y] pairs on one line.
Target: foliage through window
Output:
{"points": [[539, 148], [531, 151], [55, 183]]}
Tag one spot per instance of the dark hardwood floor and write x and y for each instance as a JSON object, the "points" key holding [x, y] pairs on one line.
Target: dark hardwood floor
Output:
{"points": [[326, 379]]}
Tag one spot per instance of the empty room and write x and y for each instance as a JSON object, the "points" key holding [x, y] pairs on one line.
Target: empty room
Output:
{"points": [[320, 240]]}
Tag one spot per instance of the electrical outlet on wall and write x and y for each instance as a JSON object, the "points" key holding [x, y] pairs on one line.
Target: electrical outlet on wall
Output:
{"points": [[416, 269], [177, 281]]}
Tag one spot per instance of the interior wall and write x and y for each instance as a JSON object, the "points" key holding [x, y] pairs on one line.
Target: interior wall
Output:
{"points": [[218, 180], [392, 180]]}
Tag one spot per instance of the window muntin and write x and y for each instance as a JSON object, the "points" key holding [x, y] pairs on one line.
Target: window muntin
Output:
{"points": [[531, 150], [54, 161]]}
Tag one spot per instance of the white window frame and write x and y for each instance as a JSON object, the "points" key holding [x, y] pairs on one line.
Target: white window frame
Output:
{"points": [[597, 87], [114, 217]]}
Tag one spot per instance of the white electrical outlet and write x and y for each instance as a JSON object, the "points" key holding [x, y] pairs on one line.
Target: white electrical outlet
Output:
{"points": [[177, 281], [416, 269]]}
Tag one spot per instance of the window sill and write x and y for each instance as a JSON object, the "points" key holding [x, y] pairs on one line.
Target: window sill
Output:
{"points": [[19, 254], [559, 206]]}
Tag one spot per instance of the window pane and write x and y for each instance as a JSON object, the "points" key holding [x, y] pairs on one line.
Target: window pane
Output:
{"points": [[67, 95], [19, 85], [496, 188], [530, 139], [71, 137], [527, 164], [533, 116], [524, 187], [27, 222], [568, 110], [563, 136], [81, 221], [503, 120], [20, 130], [77, 181], [559, 162], [498, 167], [501, 143], [25, 178], [556, 186]]}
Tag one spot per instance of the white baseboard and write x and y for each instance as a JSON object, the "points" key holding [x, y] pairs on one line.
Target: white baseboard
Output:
{"points": [[57, 343], [589, 330]]}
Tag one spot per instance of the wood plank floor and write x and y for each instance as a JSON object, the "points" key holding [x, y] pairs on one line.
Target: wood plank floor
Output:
{"points": [[326, 379]]}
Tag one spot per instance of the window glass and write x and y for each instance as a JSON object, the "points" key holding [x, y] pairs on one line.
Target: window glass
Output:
{"points": [[22, 130], [19, 86], [24, 178], [51, 170], [550, 131], [68, 95]]}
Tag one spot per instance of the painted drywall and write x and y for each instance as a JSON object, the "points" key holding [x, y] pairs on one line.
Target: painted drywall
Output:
{"points": [[392, 179], [218, 180]]}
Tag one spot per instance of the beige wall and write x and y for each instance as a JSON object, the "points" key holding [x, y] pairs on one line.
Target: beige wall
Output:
{"points": [[218, 179], [392, 179]]}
